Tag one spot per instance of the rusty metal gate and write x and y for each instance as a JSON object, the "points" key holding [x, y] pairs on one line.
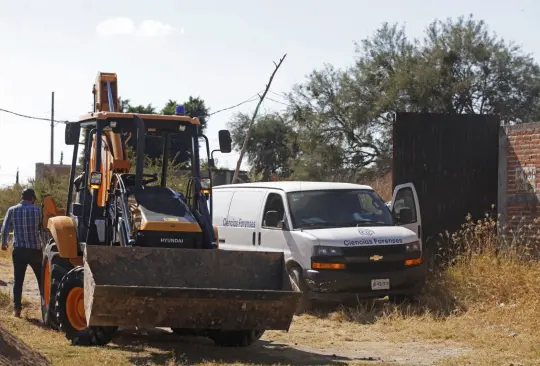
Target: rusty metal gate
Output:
{"points": [[453, 162]]}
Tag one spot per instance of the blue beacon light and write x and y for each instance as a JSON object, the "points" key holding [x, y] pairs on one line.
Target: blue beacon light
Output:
{"points": [[180, 110]]}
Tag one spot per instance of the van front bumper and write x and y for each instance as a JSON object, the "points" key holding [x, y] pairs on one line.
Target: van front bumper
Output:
{"points": [[337, 285]]}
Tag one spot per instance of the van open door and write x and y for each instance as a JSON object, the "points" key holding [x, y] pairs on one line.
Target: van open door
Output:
{"points": [[406, 208]]}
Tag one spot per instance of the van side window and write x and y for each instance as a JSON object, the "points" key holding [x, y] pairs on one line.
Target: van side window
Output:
{"points": [[274, 202], [405, 198]]}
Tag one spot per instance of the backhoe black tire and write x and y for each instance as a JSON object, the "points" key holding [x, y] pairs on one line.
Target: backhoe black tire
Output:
{"points": [[235, 338], [71, 322], [298, 284], [53, 270]]}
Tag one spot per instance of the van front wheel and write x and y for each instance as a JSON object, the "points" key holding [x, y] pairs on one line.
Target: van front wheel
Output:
{"points": [[298, 284]]}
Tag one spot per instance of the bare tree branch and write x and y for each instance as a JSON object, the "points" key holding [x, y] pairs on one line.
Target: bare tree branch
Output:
{"points": [[248, 132]]}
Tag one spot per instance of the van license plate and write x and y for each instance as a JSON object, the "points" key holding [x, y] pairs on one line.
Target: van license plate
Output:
{"points": [[382, 284]]}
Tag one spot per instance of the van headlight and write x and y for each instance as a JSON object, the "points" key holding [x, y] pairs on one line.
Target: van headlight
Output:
{"points": [[320, 250], [413, 247]]}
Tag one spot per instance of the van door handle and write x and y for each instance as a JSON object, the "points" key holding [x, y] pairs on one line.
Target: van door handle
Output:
{"points": [[259, 238], [253, 239]]}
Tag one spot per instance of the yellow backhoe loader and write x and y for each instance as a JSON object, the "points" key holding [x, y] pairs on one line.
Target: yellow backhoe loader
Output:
{"points": [[130, 251]]}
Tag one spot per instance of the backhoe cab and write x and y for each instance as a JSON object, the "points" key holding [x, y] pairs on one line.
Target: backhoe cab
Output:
{"points": [[129, 251]]}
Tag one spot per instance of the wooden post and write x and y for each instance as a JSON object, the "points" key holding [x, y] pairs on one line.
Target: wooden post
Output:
{"points": [[250, 127], [52, 129]]}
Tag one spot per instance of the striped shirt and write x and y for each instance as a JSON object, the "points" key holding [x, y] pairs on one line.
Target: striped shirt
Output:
{"points": [[25, 220]]}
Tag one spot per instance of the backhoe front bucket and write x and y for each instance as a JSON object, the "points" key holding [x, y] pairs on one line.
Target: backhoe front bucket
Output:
{"points": [[187, 288]]}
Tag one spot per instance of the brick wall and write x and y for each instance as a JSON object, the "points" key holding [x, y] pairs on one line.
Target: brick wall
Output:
{"points": [[519, 162]]}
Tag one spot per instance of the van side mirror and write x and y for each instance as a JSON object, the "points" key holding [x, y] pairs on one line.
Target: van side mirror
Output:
{"points": [[72, 133], [271, 219], [405, 216], [225, 141]]}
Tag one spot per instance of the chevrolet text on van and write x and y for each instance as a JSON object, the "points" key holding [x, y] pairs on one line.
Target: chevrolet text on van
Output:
{"points": [[340, 241]]}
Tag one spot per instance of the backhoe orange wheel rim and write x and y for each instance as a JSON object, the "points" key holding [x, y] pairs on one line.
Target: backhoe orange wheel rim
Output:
{"points": [[75, 308], [46, 284]]}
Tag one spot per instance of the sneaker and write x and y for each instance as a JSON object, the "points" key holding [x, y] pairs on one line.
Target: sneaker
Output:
{"points": [[17, 313]]}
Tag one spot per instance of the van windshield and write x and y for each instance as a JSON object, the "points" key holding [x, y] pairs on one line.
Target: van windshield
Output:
{"points": [[337, 208]]}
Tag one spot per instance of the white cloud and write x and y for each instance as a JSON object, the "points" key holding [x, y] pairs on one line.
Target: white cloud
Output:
{"points": [[153, 28], [115, 27], [126, 26]]}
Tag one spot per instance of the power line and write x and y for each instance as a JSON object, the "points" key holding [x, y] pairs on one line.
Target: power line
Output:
{"points": [[277, 101], [251, 99], [30, 117], [278, 94]]}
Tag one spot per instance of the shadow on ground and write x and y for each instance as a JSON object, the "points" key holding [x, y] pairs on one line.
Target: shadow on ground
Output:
{"points": [[37, 323], [160, 347]]}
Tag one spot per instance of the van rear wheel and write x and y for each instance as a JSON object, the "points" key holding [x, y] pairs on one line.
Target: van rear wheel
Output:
{"points": [[298, 284]]}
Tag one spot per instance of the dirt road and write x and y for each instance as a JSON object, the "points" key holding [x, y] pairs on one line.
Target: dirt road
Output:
{"points": [[312, 340]]}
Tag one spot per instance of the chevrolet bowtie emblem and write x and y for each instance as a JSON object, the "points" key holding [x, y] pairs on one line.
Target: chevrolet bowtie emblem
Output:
{"points": [[376, 257]]}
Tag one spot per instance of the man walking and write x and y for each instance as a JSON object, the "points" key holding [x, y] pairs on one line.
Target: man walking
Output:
{"points": [[25, 220]]}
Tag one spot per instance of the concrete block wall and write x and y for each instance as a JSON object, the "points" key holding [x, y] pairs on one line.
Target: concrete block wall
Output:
{"points": [[519, 164]]}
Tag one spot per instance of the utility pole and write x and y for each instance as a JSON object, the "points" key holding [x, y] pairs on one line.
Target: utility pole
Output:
{"points": [[252, 122], [52, 129]]}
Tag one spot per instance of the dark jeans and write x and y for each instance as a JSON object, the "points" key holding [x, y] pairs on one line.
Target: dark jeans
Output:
{"points": [[22, 258]]}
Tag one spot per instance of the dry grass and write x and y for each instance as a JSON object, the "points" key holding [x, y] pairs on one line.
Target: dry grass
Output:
{"points": [[488, 305], [485, 302], [153, 347], [5, 301], [382, 185]]}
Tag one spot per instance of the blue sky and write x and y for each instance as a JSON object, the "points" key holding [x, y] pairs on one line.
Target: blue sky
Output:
{"points": [[221, 51]]}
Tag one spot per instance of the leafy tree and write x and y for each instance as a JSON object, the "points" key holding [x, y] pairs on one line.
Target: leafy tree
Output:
{"points": [[479, 72], [126, 107], [180, 144], [123, 104], [271, 146], [149, 109], [458, 67], [195, 107], [180, 147], [170, 107], [327, 107]]}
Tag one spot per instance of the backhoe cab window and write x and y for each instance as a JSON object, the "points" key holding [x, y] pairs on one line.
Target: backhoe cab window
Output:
{"points": [[337, 208], [180, 147]]}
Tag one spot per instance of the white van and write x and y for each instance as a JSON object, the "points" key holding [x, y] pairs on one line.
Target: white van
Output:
{"points": [[340, 240]]}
